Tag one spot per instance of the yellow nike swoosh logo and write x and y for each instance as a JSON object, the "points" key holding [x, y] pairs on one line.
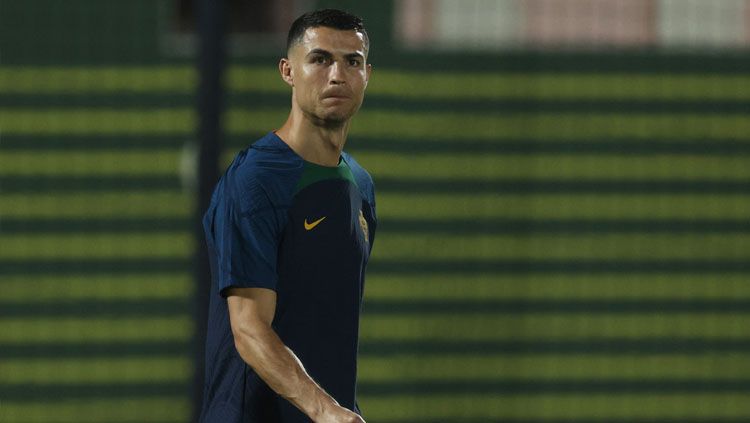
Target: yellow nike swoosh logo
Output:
{"points": [[309, 226]]}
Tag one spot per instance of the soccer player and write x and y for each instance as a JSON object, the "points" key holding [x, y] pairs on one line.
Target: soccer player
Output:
{"points": [[290, 229]]}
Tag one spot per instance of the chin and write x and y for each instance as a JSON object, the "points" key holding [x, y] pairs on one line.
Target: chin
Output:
{"points": [[333, 122], [331, 117], [335, 119]]}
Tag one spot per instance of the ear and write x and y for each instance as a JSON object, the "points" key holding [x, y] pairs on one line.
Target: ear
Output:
{"points": [[368, 71], [285, 69]]}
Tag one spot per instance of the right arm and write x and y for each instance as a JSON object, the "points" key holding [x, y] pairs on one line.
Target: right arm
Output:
{"points": [[251, 312]]}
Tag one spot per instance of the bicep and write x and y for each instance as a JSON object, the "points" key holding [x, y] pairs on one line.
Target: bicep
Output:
{"points": [[250, 306]]}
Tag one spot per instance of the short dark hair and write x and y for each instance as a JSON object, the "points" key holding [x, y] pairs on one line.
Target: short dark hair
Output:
{"points": [[329, 18]]}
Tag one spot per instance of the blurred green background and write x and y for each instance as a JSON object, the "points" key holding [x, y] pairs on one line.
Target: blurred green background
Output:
{"points": [[563, 235]]}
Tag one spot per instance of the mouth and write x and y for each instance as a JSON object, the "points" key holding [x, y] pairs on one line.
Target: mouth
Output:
{"points": [[336, 95]]}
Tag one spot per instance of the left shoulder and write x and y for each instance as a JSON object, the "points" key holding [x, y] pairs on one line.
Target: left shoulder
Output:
{"points": [[362, 177]]}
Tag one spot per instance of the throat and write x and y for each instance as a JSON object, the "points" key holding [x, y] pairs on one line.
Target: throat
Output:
{"points": [[324, 152], [321, 145]]}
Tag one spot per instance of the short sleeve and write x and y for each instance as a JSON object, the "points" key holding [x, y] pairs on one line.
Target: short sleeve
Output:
{"points": [[246, 241]]}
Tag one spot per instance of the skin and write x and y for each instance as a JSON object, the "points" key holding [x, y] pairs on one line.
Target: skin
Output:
{"points": [[328, 74]]}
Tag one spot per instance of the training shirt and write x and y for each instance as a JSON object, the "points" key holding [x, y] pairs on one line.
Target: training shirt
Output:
{"points": [[305, 231]]}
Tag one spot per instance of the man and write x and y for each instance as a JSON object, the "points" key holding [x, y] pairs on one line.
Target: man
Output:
{"points": [[290, 230]]}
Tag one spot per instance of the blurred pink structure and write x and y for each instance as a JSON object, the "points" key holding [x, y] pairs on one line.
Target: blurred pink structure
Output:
{"points": [[497, 24], [590, 22]]}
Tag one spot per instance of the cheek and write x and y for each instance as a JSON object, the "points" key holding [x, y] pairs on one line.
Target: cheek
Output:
{"points": [[309, 82], [360, 86], [303, 85]]}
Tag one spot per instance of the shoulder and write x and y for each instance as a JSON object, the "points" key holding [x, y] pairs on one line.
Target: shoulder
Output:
{"points": [[262, 175], [362, 177]]}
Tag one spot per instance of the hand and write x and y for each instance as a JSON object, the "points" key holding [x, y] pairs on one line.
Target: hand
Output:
{"points": [[338, 414]]}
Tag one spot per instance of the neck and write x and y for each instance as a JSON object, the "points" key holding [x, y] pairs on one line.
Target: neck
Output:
{"points": [[314, 141]]}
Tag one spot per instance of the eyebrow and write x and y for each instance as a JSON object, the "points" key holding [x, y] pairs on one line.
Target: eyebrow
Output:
{"points": [[327, 53], [319, 51]]}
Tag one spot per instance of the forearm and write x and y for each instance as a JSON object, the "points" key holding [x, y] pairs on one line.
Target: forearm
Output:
{"points": [[280, 368]]}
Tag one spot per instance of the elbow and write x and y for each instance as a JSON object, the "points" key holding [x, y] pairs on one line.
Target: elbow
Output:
{"points": [[246, 338]]}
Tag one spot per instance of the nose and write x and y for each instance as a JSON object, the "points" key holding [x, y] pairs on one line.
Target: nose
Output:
{"points": [[336, 74]]}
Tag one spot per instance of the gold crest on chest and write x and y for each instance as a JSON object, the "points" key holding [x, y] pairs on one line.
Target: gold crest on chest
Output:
{"points": [[363, 225]]}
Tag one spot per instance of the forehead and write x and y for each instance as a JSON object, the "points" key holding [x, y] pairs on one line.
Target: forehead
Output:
{"points": [[333, 40]]}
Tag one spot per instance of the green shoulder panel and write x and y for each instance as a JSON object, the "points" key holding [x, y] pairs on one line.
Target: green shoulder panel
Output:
{"points": [[313, 173]]}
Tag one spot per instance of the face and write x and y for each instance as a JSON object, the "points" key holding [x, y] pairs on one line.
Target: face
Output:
{"points": [[329, 73]]}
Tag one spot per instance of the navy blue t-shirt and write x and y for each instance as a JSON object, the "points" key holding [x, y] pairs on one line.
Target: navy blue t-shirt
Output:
{"points": [[305, 231]]}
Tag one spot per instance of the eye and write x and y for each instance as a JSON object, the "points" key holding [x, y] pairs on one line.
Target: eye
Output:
{"points": [[319, 60], [354, 62]]}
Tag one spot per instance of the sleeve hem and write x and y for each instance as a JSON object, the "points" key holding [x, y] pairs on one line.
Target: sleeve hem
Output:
{"points": [[236, 283]]}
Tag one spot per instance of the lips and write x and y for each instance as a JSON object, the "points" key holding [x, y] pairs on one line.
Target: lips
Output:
{"points": [[335, 94]]}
